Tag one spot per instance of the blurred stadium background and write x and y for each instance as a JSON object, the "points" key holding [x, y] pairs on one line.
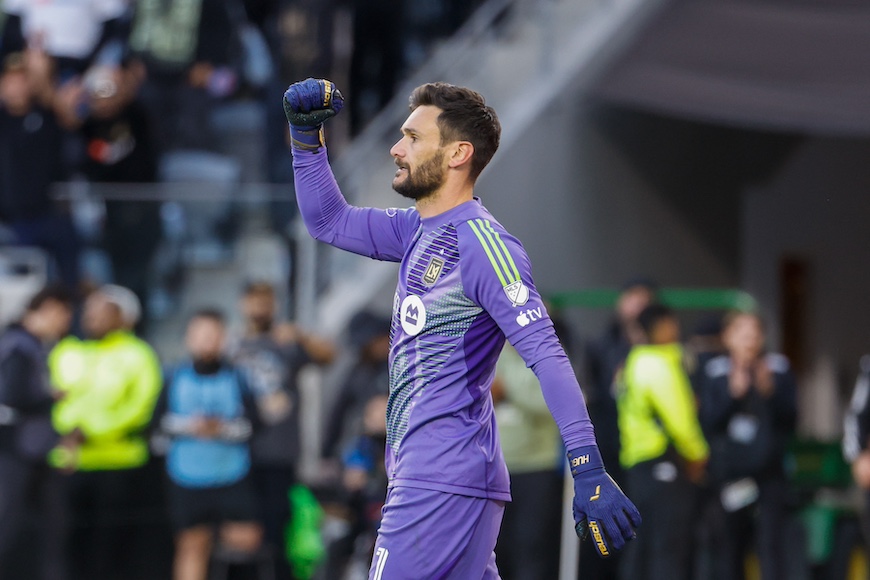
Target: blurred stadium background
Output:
{"points": [[719, 146]]}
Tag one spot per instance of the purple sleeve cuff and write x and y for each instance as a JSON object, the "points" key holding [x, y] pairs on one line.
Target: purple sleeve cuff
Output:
{"points": [[583, 459]]}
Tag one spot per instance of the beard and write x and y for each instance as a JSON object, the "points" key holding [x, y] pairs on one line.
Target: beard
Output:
{"points": [[260, 323], [424, 180]]}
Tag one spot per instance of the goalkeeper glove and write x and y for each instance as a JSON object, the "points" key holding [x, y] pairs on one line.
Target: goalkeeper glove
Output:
{"points": [[307, 104], [600, 507]]}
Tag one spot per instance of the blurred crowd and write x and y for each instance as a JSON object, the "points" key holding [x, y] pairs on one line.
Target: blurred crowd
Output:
{"points": [[114, 465], [702, 437], [694, 428], [111, 462], [117, 91], [699, 427]]}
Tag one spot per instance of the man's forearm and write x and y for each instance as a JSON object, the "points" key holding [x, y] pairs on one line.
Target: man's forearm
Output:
{"points": [[321, 203], [327, 215], [565, 400], [559, 386]]}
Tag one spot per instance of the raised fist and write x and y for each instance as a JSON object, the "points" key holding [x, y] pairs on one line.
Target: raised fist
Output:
{"points": [[307, 104]]}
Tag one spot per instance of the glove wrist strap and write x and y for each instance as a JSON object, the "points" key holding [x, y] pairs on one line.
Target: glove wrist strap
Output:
{"points": [[307, 138], [583, 459]]}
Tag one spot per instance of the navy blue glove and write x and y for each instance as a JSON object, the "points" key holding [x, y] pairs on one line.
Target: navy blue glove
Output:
{"points": [[600, 507], [307, 104]]}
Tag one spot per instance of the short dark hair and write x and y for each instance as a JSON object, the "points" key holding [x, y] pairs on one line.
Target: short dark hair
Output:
{"points": [[51, 293], [644, 282], [213, 314], [465, 116], [652, 314], [259, 287], [732, 315]]}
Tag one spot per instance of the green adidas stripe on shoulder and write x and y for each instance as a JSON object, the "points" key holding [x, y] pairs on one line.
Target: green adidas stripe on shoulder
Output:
{"points": [[496, 250]]}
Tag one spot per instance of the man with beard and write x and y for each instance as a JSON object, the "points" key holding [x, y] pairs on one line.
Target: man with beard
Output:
{"points": [[207, 414], [464, 286], [271, 356]]}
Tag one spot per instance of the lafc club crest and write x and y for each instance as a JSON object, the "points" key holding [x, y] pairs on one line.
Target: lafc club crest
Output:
{"points": [[433, 270], [517, 293]]}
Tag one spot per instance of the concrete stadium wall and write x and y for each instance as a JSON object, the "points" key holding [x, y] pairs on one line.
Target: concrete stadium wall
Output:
{"points": [[817, 210], [587, 217]]}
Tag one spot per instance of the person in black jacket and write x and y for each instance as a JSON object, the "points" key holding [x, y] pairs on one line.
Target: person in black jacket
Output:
{"points": [[31, 160], [26, 432], [856, 439], [370, 337], [186, 49], [119, 148], [604, 357], [748, 411], [272, 354]]}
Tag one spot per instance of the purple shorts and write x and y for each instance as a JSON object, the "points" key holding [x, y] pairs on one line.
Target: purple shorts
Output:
{"points": [[432, 535]]}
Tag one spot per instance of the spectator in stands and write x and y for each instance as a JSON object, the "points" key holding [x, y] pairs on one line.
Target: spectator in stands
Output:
{"points": [[73, 32], [26, 432], [207, 411], [348, 450], [186, 50], [119, 148], [31, 159], [604, 358], [364, 481], [370, 338], [663, 452], [856, 440], [377, 60], [110, 383], [271, 356], [749, 411], [702, 346], [527, 546]]}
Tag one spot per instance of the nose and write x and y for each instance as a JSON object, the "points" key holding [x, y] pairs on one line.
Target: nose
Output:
{"points": [[396, 150]]}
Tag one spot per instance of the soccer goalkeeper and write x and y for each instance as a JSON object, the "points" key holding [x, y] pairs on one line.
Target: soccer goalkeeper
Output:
{"points": [[464, 286]]}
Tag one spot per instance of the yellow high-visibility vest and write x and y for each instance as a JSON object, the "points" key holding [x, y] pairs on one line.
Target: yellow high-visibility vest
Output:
{"points": [[110, 387], [657, 407]]}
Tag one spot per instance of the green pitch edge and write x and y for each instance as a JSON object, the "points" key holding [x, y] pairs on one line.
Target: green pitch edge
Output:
{"points": [[678, 298]]}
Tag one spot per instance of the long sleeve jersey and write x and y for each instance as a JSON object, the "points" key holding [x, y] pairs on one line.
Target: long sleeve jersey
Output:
{"points": [[464, 286]]}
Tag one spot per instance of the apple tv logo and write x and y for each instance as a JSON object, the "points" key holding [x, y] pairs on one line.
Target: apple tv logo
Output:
{"points": [[526, 317]]}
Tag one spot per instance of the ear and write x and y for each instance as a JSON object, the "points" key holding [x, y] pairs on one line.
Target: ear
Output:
{"points": [[460, 154]]}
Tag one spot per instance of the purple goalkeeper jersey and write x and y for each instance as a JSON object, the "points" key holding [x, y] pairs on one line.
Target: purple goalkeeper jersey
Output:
{"points": [[464, 286]]}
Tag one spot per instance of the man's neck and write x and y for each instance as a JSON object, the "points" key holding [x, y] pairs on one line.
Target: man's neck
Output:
{"points": [[444, 200]]}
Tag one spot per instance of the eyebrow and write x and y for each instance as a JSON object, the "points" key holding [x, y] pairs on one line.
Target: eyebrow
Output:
{"points": [[407, 130]]}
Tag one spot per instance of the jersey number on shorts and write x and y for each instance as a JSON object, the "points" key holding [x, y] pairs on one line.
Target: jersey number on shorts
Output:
{"points": [[380, 561]]}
